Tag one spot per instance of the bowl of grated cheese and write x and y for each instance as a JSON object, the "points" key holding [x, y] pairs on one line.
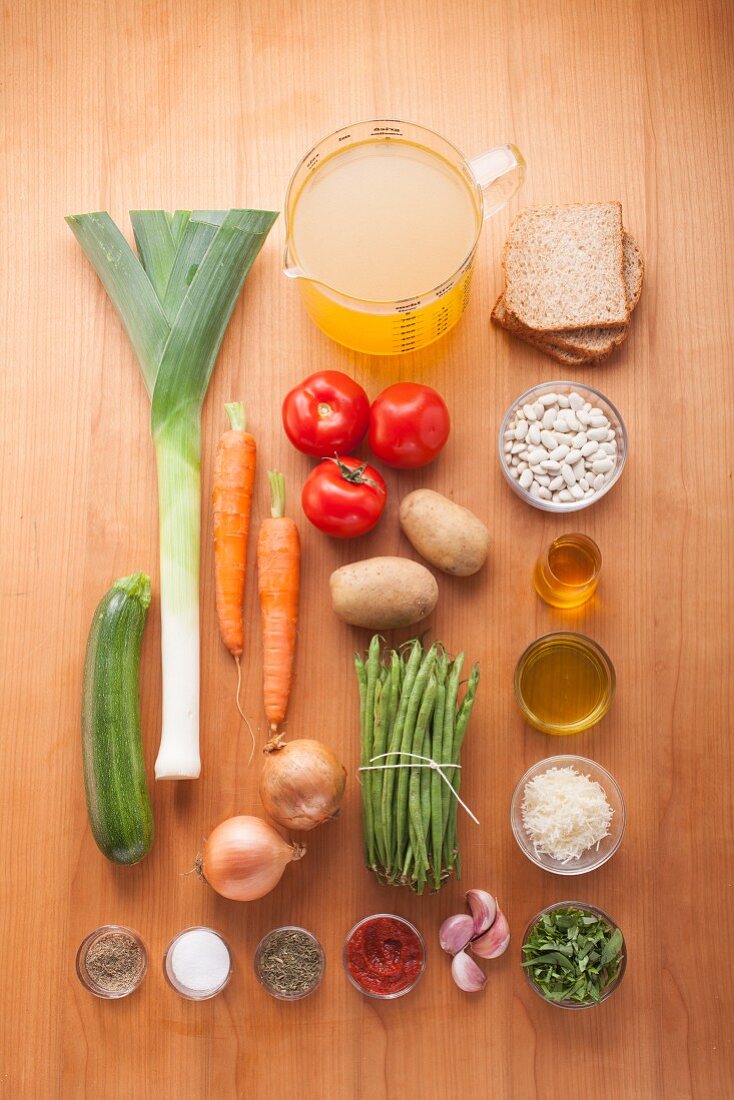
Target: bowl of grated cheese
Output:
{"points": [[568, 815]]}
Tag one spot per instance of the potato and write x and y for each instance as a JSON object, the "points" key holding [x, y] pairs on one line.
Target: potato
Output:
{"points": [[448, 536], [382, 593]]}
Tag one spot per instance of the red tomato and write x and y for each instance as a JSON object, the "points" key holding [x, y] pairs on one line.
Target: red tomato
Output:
{"points": [[409, 425], [328, 413], [344, 497]]}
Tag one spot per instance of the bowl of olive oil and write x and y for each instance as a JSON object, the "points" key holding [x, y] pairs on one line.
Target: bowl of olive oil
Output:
{"points": [[564, 683]]}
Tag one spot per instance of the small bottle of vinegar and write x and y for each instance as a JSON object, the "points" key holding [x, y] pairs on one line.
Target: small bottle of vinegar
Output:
{"points": [[567, 572]]}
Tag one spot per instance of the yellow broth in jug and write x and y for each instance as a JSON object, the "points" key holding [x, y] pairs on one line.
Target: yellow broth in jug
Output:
{"points": [[382, 223]]}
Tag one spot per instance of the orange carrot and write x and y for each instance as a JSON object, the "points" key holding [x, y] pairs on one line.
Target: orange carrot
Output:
{"points": [[234, 476], [278, 571]]}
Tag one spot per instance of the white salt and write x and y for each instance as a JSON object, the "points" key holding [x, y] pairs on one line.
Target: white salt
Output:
{"points": [[200, 961]]}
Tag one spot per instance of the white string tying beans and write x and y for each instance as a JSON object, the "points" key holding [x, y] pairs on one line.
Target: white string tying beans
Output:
{"points": [[429, 762]]}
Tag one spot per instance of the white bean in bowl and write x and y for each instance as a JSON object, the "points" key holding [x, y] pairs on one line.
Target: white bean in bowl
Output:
{"points": [[562, 446]]}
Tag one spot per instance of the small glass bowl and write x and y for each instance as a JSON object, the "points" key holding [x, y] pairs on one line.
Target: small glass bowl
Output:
{"points": [[400, 992], [186, 991], [604, 668], [597, 912], [81, 961], [259, 953], [593, 857], [597, 399]]}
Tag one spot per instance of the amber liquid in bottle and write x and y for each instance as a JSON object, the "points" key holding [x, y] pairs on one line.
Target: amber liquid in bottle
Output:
{"points": [[567, 573]]}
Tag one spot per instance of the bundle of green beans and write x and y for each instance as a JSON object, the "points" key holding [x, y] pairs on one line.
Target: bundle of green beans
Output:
{"points": [[409, 703]]}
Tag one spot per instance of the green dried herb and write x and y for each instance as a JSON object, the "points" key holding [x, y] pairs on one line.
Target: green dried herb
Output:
{"points": [[573, 955], [291, 963]]}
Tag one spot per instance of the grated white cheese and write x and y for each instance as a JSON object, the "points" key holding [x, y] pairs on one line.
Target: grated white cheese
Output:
{"points": [[565, 813]]}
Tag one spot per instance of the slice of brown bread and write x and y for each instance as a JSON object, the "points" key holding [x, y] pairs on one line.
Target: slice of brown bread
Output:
{"points": [[596, 341], [564, 267], [561, 355]]}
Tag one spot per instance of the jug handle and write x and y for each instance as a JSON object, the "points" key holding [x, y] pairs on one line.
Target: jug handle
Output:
{"points": [[500, 173]]}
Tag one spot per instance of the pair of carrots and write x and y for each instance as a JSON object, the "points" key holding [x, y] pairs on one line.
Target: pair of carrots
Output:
{"points": [[278, 563]]}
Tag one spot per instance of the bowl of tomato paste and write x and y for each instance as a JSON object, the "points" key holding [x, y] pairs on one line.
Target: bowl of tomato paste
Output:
{"points": [[384, 956]]}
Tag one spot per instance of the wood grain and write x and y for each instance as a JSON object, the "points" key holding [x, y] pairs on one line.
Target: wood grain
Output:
{"points": [[118, 104]]}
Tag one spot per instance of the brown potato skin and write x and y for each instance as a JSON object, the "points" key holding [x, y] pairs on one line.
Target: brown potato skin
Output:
{"points": [[383, 593], [446, 534]]}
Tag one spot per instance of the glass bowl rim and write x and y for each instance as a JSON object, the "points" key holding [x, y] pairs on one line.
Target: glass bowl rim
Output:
{"points": [[515, 802], [553, 507], [400, 992]]}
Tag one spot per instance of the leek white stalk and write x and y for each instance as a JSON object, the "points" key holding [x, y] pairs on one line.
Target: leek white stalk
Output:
{"points": [[175, 303]]}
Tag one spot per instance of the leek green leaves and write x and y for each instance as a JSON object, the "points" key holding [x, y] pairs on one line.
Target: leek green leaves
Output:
{"points": [[175, 302]]}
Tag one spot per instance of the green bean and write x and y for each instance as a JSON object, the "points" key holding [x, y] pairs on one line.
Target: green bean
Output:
{"points": [[428, 776], [372, 670], [409, 731], [382, 692], [409, 851], [394, 682], [447, 750], [436, 781], [408, 707], [425, 799], [388, 809], [390, 701], [422, 726], [362, 681], [464, 714], [462, 721]]}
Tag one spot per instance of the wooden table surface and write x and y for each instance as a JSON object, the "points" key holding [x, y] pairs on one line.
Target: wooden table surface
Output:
{"points": [[118, 104]]}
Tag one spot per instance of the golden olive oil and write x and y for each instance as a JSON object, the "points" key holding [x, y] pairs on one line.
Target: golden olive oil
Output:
{"points": [[567, 573], [564, 683]]}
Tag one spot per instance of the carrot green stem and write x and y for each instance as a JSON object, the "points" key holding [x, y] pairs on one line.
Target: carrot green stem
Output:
{"points": [[277, 489], [236, 414]]}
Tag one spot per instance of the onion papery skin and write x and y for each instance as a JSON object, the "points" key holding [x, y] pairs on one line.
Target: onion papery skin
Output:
{"points": [[244, 858], [301, 784]]}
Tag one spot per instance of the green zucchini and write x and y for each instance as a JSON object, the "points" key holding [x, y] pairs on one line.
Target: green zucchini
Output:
{"points": [[118, 803]]}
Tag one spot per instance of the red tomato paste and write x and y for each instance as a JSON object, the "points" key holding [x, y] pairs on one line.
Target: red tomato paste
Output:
{"points": [[384, 955]]}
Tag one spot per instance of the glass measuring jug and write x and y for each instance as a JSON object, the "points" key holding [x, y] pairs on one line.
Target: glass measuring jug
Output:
{"points": [[382, 224]]}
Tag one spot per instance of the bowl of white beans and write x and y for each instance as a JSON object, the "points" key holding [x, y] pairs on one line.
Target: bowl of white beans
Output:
{"points": [[562, 446]]}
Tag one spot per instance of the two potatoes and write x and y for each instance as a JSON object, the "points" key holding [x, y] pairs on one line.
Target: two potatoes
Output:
{"points": [[388, 592]]}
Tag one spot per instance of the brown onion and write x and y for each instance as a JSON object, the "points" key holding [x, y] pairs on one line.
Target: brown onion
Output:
{"points": [[244, 858], [302, 783]]}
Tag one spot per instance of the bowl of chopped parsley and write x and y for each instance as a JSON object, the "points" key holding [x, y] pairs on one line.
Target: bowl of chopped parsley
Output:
{"points": [[574, 955]]}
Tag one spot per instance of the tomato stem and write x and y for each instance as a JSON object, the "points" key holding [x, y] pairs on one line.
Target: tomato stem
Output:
{"points": [[357, 475]]}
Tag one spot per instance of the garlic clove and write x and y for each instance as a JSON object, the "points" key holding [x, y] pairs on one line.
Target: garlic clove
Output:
{"points": [[483, 910], [455, 933], [494, 942], [467, 975]]}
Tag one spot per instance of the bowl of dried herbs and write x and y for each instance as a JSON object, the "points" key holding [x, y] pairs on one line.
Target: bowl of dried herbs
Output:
{"points": [[289, 963]]}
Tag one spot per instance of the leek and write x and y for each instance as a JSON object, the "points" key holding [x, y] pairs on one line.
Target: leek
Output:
{"points": [[175, 302]]}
